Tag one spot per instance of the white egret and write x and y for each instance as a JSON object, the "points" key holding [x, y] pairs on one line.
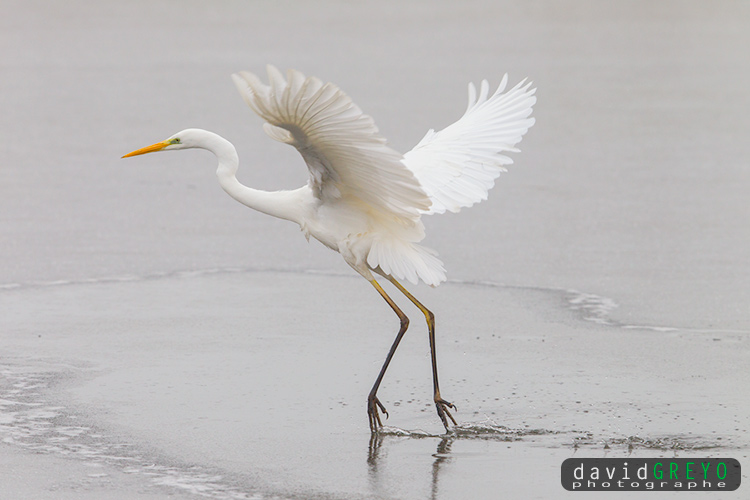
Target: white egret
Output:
{"points": [[363, 199]]}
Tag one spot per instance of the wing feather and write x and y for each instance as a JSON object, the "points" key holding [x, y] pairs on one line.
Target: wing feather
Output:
{"points": [[348, 159], [458, 165], [341, 146]]}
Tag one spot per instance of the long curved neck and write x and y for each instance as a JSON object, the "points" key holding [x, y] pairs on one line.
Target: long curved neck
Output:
{"points": [[281, 204]]}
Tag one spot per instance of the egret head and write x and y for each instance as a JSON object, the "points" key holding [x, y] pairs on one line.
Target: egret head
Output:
{"points": [[188, 138]]}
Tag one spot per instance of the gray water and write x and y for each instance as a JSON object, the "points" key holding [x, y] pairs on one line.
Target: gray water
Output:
{"points": [[158, 337]]}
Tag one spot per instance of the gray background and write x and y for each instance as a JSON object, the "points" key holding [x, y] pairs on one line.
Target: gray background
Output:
{"points": [[628, 206]]}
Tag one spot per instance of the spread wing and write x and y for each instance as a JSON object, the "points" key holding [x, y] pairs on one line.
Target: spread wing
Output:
{"points": [[340, 144], [458, 165]]}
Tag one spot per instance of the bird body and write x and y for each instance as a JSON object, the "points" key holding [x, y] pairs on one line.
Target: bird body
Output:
{"points": [[342, 223], [363, 199]]}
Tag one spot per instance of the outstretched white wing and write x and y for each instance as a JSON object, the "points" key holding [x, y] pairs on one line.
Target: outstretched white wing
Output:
{"points": [[341, 146], [458, 165]]}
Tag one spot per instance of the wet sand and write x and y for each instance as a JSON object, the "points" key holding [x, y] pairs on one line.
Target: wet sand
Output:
{"points": [[161, 341], [222, 382]]}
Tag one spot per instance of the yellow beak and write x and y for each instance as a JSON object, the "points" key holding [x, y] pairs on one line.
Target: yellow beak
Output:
{"points": [[149, 149]]}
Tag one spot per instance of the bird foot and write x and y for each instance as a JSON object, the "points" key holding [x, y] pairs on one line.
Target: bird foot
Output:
{"points": [[374, 407], [442, 410]]}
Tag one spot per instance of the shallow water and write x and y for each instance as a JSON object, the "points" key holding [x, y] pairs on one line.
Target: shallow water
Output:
{"points": [[159, 338], [228, 399]]}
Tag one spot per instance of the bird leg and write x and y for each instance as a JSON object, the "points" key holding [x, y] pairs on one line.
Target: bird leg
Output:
{"points": [[373, 404], [441, 404]]}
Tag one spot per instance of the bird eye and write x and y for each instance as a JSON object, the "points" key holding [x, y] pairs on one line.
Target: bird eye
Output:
{"points": [[176, 140]]}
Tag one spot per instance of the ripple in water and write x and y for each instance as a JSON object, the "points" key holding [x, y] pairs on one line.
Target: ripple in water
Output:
{"points": [[29, 421]]}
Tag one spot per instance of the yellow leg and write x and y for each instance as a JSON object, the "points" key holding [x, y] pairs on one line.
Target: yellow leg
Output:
{"points": [[373, 404], [441, 405]]}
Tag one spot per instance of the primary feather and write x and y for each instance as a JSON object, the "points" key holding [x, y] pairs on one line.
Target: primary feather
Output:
{"points": [[458, 165], [340, 144], [369, 198]]}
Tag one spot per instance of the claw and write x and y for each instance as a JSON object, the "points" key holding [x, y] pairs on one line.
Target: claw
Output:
{"points": [[442, 410], [373, 404], [382, 408]]}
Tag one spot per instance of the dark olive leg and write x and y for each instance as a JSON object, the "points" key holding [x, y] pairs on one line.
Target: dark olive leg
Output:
{"points": [[441, 405], [373, 404]]}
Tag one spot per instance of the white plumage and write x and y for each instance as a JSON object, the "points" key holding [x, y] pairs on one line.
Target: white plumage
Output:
{"points": [[363, 199], [351, 165], [458, 165]]}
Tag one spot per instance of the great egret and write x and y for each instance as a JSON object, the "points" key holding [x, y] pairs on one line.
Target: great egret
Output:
{"points": [[363, 199]]}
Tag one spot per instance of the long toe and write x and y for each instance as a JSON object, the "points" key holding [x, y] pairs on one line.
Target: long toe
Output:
{"points": [[374, 407], [442, 410]]}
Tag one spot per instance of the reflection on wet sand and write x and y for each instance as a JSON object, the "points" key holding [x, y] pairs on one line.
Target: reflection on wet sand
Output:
{"points": [[199, 373], [442, 457]]}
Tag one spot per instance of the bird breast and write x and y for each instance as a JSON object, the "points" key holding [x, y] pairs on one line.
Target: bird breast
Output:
{"points": [[336, 224]]}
